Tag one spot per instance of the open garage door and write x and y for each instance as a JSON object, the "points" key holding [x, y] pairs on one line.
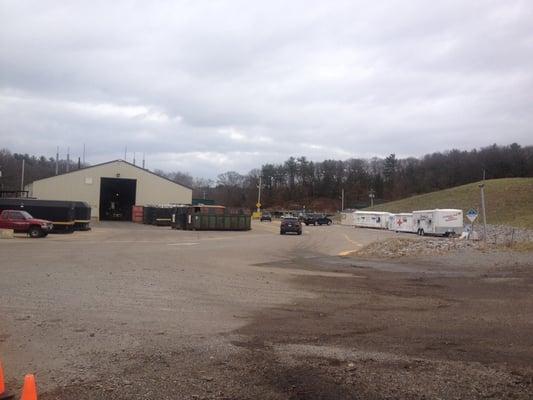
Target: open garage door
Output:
{"points": [[117, 196]]}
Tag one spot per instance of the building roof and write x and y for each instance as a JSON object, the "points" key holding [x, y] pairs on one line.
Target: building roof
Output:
{"points": [[111, 162]]}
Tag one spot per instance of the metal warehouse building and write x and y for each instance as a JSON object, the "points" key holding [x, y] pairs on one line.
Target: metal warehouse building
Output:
{"points": [[111, 189]]}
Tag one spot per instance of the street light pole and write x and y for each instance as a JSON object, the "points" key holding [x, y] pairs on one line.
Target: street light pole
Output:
{"points": [[22, 176], [482, 188]]}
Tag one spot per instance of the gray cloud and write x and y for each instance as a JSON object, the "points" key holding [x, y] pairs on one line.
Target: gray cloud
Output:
{"points": [[210, 86]]}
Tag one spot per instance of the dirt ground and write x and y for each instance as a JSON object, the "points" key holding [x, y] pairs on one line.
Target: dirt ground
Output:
{"points": [[137, 312]]}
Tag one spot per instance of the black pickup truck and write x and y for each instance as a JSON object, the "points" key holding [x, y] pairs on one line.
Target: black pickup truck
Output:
{"points": [[316, 219]]}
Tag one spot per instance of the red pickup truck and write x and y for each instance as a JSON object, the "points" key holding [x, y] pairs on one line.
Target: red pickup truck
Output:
{"points": [[21, 221]]}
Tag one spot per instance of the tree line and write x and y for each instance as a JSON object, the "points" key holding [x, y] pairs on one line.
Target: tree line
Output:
{"points": [[34, 168], [299, 182]]}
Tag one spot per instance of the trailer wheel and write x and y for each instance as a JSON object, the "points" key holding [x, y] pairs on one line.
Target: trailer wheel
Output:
{"points": [[35, 232]]}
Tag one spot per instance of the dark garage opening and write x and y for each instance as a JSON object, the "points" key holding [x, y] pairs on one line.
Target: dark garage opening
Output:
{"points": [[117, 196]]}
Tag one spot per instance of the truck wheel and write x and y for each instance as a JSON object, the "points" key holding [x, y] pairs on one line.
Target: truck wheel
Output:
{"points": [[35, 232]]}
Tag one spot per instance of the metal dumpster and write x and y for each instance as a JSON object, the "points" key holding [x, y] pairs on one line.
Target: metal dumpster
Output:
{"points": [[203, 222]]}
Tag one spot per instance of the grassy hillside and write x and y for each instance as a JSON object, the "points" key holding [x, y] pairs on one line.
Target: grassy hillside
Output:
{"points": [[509, 201]]}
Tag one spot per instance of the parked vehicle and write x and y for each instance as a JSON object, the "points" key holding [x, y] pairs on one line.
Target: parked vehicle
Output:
{"points": [[288, 215], [290, 224], [372, 219], [445, 222], [60, 212], [316, 219], [266, 216], [23, 222], [401, 222]]}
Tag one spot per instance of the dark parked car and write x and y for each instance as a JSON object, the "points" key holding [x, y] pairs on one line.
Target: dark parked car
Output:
{"points": [[316, 219], [266, 216], [290, 224]]}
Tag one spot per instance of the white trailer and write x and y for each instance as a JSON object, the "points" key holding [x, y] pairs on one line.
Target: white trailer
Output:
{"points": [[372, 219], [401, 222], [444, 222], [348, 218]]}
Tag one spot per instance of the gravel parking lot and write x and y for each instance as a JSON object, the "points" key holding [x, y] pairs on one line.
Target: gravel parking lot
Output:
{"points": [[131, 311]]}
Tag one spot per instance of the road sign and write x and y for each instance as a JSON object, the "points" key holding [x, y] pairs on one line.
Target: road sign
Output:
{"points": [[472, 214], [258, 205]]}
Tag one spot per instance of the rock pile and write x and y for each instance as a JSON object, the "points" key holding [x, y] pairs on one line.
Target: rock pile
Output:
{"points": [[497, 236], [502, 234], [402, 247]]}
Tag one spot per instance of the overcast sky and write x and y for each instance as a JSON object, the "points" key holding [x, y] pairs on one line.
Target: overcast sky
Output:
{"points": [[210, 86]]}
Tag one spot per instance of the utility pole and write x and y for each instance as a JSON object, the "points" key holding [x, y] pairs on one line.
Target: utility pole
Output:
{"points": [[371, 194], [22, 176], [83, 153], [143, 160], [342, 199], [68, 159], [482, 188], [133, 158], [259, 194]]}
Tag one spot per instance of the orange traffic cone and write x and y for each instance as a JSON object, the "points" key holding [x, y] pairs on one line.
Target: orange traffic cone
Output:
{"points": [[29, 390], [3, 394]]}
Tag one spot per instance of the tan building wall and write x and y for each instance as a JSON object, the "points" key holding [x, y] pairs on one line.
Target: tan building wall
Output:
{"points": [[84, 185]]}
